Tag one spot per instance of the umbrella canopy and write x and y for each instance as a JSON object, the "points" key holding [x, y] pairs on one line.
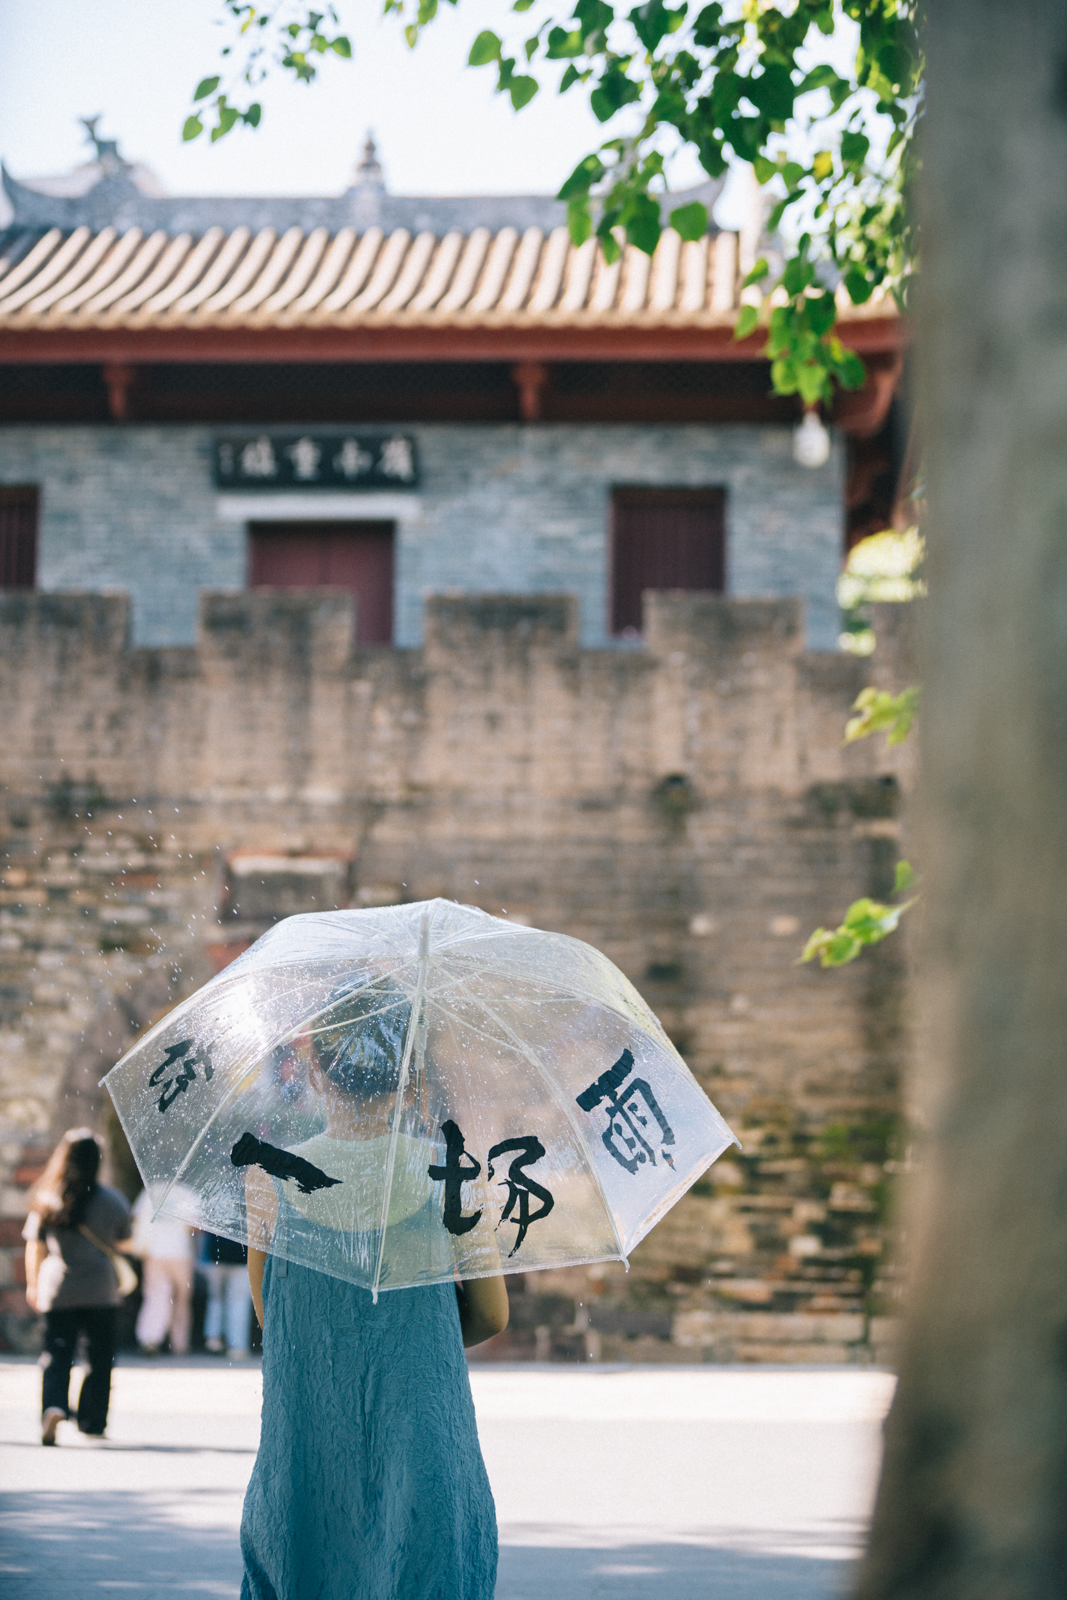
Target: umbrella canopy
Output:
{"points": [[405, 1095]]}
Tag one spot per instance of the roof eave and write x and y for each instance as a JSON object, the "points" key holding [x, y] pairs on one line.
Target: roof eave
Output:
{"points": [[464, 337]]}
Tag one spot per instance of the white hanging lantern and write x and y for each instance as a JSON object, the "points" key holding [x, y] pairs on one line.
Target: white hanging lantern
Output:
{"points": [[811, 441]]}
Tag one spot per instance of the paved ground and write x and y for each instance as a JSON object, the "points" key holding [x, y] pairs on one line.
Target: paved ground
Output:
{"points": [[610, 1483]]}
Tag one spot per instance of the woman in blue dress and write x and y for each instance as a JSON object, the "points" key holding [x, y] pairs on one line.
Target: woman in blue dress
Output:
{"points": [[369, 1483]]}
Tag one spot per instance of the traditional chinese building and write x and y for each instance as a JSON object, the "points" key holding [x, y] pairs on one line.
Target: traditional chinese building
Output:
{"points": [[383, 485], [442, 394]]}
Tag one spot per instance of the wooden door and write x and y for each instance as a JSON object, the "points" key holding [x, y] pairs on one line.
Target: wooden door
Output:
{"points": [[664, 539], [357, 556], [18, 538]]}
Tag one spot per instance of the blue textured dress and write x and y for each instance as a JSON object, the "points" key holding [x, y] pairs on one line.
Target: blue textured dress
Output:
{"points": [[369, 1483]]}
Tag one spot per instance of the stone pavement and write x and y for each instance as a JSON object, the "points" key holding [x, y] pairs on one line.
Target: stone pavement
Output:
{"points": [[611, 1483]]}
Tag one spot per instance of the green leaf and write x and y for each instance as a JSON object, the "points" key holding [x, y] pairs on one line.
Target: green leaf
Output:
{"points": [[342, 46], [595, 16], [821, 314], [783, 376], [747, 322], [563, 43], [522, 5], [652, 22], [850, 371], [904, 877], [765, 170], [816, 944], [609, 245], [778, 212], [642, 223], [690, 221], [192, 128], [812, 383], [820, 77], [772, 91], [206, 86], [589, 170], [880, 712], [522, 91], [572, 75], [865, 922], [858, 285], [614, 91], [854, 148], [797, 275], [758, 273], [579, 220], [486, 47]]}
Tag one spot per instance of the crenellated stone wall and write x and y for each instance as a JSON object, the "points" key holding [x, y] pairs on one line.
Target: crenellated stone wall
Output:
{"points": [[687, 806]]}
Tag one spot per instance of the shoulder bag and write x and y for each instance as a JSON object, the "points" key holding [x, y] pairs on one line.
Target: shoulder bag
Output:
{"points": [[123, 1271]]}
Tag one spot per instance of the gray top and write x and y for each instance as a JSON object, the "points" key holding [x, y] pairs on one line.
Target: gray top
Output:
{"points": [[75, 1273]]}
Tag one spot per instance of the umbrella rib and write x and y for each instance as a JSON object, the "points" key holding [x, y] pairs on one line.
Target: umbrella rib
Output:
{"points": [[563, 1102], [409, 1045], [560, 984]]}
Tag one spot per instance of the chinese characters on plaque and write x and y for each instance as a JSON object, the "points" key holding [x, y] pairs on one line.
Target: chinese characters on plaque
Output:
{"points": [[335, 460]]}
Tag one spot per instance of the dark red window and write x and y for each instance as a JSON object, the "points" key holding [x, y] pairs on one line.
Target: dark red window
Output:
{"points": [[18, 538], [664, 539], [357, 556]]}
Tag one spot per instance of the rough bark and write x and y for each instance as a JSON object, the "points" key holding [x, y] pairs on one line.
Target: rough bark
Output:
{"points": [[973, 1500]]}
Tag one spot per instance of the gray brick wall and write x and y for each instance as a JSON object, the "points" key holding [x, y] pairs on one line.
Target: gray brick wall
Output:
{"points": [[521, 509]]}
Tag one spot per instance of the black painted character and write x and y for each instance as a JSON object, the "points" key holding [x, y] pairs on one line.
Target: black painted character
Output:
{"points": [[252, 1152], [623, 1138], [183, 1059], [454, 1175], [520, 1185]]}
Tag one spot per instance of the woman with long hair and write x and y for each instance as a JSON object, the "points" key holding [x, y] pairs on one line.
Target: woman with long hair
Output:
{"points": [[75, 1222]]}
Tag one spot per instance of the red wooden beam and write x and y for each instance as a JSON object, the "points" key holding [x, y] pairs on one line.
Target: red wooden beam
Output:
{"points": [[363, 342]]}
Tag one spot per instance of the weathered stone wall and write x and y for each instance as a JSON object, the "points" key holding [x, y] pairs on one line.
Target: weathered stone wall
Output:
{"points": [[688, 807], [499, 507]]}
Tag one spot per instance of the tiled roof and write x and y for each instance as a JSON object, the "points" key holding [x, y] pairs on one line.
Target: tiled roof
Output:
{"points": [[131, 279]]}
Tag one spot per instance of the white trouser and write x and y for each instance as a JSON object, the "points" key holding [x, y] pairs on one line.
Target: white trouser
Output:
{"points": [[229, 1301], [167, 1304]]}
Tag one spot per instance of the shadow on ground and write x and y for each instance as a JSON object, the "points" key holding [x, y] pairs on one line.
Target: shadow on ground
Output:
{"points": [[665, 1572], [57, 1546]]}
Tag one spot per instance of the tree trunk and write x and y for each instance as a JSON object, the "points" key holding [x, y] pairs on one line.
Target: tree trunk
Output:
{"points": [[973, 1500]]}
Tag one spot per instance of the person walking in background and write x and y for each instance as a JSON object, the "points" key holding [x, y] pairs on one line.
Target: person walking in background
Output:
{"points": [[229, 1295], [74, 1224], [166, 1246]]}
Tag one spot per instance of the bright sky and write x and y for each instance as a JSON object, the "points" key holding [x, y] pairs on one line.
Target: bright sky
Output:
{"points": [[440, 128]]}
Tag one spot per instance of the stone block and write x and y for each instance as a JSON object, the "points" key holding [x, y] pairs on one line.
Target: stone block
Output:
{"points": [[782, 1329]]}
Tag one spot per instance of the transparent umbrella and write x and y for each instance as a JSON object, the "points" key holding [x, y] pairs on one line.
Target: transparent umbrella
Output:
{"points": [[414, 1093]]}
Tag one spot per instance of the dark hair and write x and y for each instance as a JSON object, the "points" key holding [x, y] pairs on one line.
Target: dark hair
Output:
{"points": [[359, 1041], [68, 1182]]}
